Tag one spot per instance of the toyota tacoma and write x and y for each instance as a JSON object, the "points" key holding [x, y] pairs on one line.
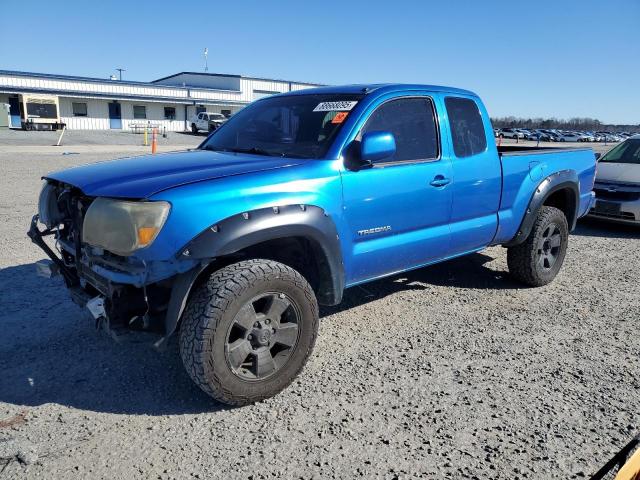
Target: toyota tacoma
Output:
{"points": [[299, 196]]}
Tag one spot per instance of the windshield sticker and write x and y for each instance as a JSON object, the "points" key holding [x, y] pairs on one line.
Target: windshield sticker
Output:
{"points": [[340, 117], [335, 106]]}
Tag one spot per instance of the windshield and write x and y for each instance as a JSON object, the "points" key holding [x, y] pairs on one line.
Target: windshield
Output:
{"points": [[627, 152], [298, 126]]}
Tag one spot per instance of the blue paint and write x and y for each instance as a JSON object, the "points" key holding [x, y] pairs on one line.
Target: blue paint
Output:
{"points": [[14, 112], [390, 217]]}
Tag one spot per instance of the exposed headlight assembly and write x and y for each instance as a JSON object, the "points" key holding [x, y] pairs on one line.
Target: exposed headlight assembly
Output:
{"points": [[122, 227], [48, 210]]}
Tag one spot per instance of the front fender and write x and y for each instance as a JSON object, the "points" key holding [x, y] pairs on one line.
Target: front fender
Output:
{"points": [[244, 230]]}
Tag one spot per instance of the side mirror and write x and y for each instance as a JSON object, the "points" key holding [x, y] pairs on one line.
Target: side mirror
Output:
{"points": [[374, 146], [598, 155], [377, 146]]}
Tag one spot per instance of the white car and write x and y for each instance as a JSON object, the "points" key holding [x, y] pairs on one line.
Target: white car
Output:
{"points": [[569, 137], [207, 121], [617, 185], [510, 133]]}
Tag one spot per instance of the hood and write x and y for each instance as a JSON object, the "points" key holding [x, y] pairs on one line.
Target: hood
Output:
{"points": [[141, 177], [610, 172]]}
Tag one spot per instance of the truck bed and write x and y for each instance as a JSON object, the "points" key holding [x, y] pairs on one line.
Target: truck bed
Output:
{"points": [[505, 150], [524, 167]]}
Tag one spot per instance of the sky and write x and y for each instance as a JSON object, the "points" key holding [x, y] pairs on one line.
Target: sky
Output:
{"points": [[543, 58]]}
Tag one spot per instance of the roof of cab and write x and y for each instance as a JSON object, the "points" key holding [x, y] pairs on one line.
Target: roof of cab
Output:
{"points": [[379, 88]]}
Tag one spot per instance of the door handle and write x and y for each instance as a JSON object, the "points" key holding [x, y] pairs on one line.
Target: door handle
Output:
{"points": [[440, 181]]}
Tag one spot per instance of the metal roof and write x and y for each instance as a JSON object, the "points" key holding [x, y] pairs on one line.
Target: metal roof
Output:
{"points": [[154, 84], [235, 76]]}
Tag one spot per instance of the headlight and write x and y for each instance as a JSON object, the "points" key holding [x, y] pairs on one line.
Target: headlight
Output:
{"points": [[48, 210], [123, 227]]}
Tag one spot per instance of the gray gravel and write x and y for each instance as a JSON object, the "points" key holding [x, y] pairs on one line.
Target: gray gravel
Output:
{"points": [[452, 371], [9, 137]]}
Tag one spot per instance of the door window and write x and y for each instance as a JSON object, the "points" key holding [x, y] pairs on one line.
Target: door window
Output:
{"points": [[467, 129], [412, 122]]}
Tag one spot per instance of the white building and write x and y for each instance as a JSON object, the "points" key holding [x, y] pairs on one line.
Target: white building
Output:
{"points": [[98, 104]]}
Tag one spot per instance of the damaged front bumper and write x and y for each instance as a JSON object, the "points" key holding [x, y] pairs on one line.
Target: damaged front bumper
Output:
{"points": [[122, 294]]}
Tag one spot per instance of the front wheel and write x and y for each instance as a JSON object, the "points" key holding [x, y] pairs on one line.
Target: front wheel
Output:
{"points": [[537, 260], [248, 331]]}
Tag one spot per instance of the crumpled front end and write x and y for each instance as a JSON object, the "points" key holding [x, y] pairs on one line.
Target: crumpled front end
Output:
{"points": [[121, 293]]}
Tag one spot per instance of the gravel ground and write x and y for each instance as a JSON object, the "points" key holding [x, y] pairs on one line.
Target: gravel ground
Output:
{"points": [[9, 137], [452, 371]]}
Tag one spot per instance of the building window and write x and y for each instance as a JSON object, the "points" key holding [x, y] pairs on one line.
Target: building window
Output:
{"points": [[139, 112], [79, 109], [200, 109], [169, 113], [467, 130], [226, 112]]}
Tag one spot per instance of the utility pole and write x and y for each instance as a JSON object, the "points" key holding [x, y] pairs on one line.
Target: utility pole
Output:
{"points": [[206, 58], [120, 70]]}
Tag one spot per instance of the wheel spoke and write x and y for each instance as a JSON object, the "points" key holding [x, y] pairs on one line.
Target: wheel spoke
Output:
{"points": [[238, 352], [246, 317], [264, 363], [541, 260], [287, 334], [277, 307], [555, 240]]}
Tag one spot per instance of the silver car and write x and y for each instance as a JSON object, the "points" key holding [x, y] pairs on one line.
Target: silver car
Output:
{"points": [[617, 184]]}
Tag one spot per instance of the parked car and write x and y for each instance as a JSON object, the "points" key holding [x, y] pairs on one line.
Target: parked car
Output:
{"points": [[586, 137], [510, 133], [206, 121], [569, 137], [539, 135], [216, 120], [553, 136], [299, 196], [617, 186]]}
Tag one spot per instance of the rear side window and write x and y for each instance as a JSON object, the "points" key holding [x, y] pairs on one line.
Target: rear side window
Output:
{"points": [[412, 123], [467, 130]]}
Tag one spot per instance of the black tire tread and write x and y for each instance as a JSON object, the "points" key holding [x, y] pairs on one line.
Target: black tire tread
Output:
{"points": [[204, 311], [521, 258]]}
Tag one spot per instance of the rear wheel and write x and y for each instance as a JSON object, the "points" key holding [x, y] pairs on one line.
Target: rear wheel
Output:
{"points": [[538, 260], [248, 331]]}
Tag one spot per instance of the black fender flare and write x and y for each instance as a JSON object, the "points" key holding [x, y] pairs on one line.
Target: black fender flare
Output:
{"points": [[564, 179], [251, 228]]}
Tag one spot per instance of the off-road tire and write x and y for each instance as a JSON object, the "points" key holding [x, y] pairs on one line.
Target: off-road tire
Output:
{"points": [[524, 259], [210, 313]]}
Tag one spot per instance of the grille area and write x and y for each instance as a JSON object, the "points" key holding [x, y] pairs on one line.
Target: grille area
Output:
{"points": [[617, 195]]}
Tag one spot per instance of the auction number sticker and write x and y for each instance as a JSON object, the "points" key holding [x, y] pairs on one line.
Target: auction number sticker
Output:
{"points": [[335, 106]]}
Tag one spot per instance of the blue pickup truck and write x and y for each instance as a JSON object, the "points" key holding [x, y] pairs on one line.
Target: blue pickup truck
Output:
{"points": [[297, 197]]}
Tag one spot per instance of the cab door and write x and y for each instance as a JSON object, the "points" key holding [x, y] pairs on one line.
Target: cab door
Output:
{"points": [[398, 211], [478, 173]]}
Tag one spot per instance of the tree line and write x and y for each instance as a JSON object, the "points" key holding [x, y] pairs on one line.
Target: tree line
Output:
{"points": [[577, 123]]}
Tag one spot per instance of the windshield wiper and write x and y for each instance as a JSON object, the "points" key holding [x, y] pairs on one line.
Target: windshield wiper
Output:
{"points": [[252, 150], [256, 151]]}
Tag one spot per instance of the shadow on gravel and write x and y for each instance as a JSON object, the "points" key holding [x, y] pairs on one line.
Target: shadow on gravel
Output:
{"points": [[593, 227], [469, 271], [51, 353]]}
